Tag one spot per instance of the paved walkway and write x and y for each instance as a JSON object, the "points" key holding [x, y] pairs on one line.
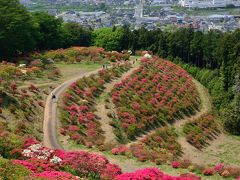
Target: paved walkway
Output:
{"points": [[50, 123]]}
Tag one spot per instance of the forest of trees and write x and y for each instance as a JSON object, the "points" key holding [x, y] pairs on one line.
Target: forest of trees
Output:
{"points": [[22, 31], [213, 57]]}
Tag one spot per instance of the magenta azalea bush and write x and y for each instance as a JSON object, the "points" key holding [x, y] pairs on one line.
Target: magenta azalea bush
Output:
{"points": [[175, 164], [153, 174]]}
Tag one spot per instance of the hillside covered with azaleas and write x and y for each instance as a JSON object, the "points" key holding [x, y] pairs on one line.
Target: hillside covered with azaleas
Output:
{"points": [[156, 93]]}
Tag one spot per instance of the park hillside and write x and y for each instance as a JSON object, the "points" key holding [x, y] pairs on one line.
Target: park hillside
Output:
{"points": [[116, 103]]}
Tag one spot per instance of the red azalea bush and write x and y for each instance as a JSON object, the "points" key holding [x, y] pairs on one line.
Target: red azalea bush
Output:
{"points": [[175, 164], [201, 130], [121, 150], [208, 172], [153, 173], [158, 147], [155, 93], [219, 168], [77, 116]]}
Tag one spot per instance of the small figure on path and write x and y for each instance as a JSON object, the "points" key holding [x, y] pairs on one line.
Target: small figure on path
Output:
{"points": [[53, 97], [114, 115]]}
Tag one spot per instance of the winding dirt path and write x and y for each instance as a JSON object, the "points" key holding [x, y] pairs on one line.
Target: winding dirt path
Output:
{"points": [[50, 113], [102, 111]]}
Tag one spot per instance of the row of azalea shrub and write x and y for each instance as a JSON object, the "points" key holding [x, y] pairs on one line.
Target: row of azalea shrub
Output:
{"points": [[79, 54], [199, 131], [38, 162], [157, 92], [78, 106], [226, 171], [160, 147]]}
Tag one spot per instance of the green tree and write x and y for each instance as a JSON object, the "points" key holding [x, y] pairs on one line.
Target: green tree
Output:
{"points": [[231, 114], [196, 48], [108, 39], [125, 41], [50, 32], [16, 29], [76, 35]]}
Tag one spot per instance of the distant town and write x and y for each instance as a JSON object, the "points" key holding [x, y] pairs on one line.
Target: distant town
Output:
{"points": [[223, 15]]}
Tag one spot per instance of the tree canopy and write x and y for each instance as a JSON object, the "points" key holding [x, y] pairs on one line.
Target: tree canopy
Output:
{"points": [[16, 29], [22, 31], [108, 38]]}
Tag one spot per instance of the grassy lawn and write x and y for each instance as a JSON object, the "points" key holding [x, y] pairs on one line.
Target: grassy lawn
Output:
{"points": [[71, 70], [222, 149], [68, 71]]}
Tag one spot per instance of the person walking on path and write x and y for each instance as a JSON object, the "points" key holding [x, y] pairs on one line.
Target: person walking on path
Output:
{"points": [[54, 97]]}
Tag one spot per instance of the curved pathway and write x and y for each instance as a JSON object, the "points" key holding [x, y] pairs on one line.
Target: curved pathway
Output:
{"points": [[50, 113], [102, 111]]}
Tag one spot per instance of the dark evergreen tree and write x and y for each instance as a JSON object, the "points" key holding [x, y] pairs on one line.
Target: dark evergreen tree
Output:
{"points": [[16, 29], [50, 32], [76, 35]]}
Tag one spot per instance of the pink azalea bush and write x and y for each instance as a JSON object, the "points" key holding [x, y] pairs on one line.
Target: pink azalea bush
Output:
{"points": [[219, 168], [153, 173], [208, 171], [121, 150], [175, 164]]}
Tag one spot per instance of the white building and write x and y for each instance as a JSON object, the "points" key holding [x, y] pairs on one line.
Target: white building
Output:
{"points": [[139, 9], [208, 3]]}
